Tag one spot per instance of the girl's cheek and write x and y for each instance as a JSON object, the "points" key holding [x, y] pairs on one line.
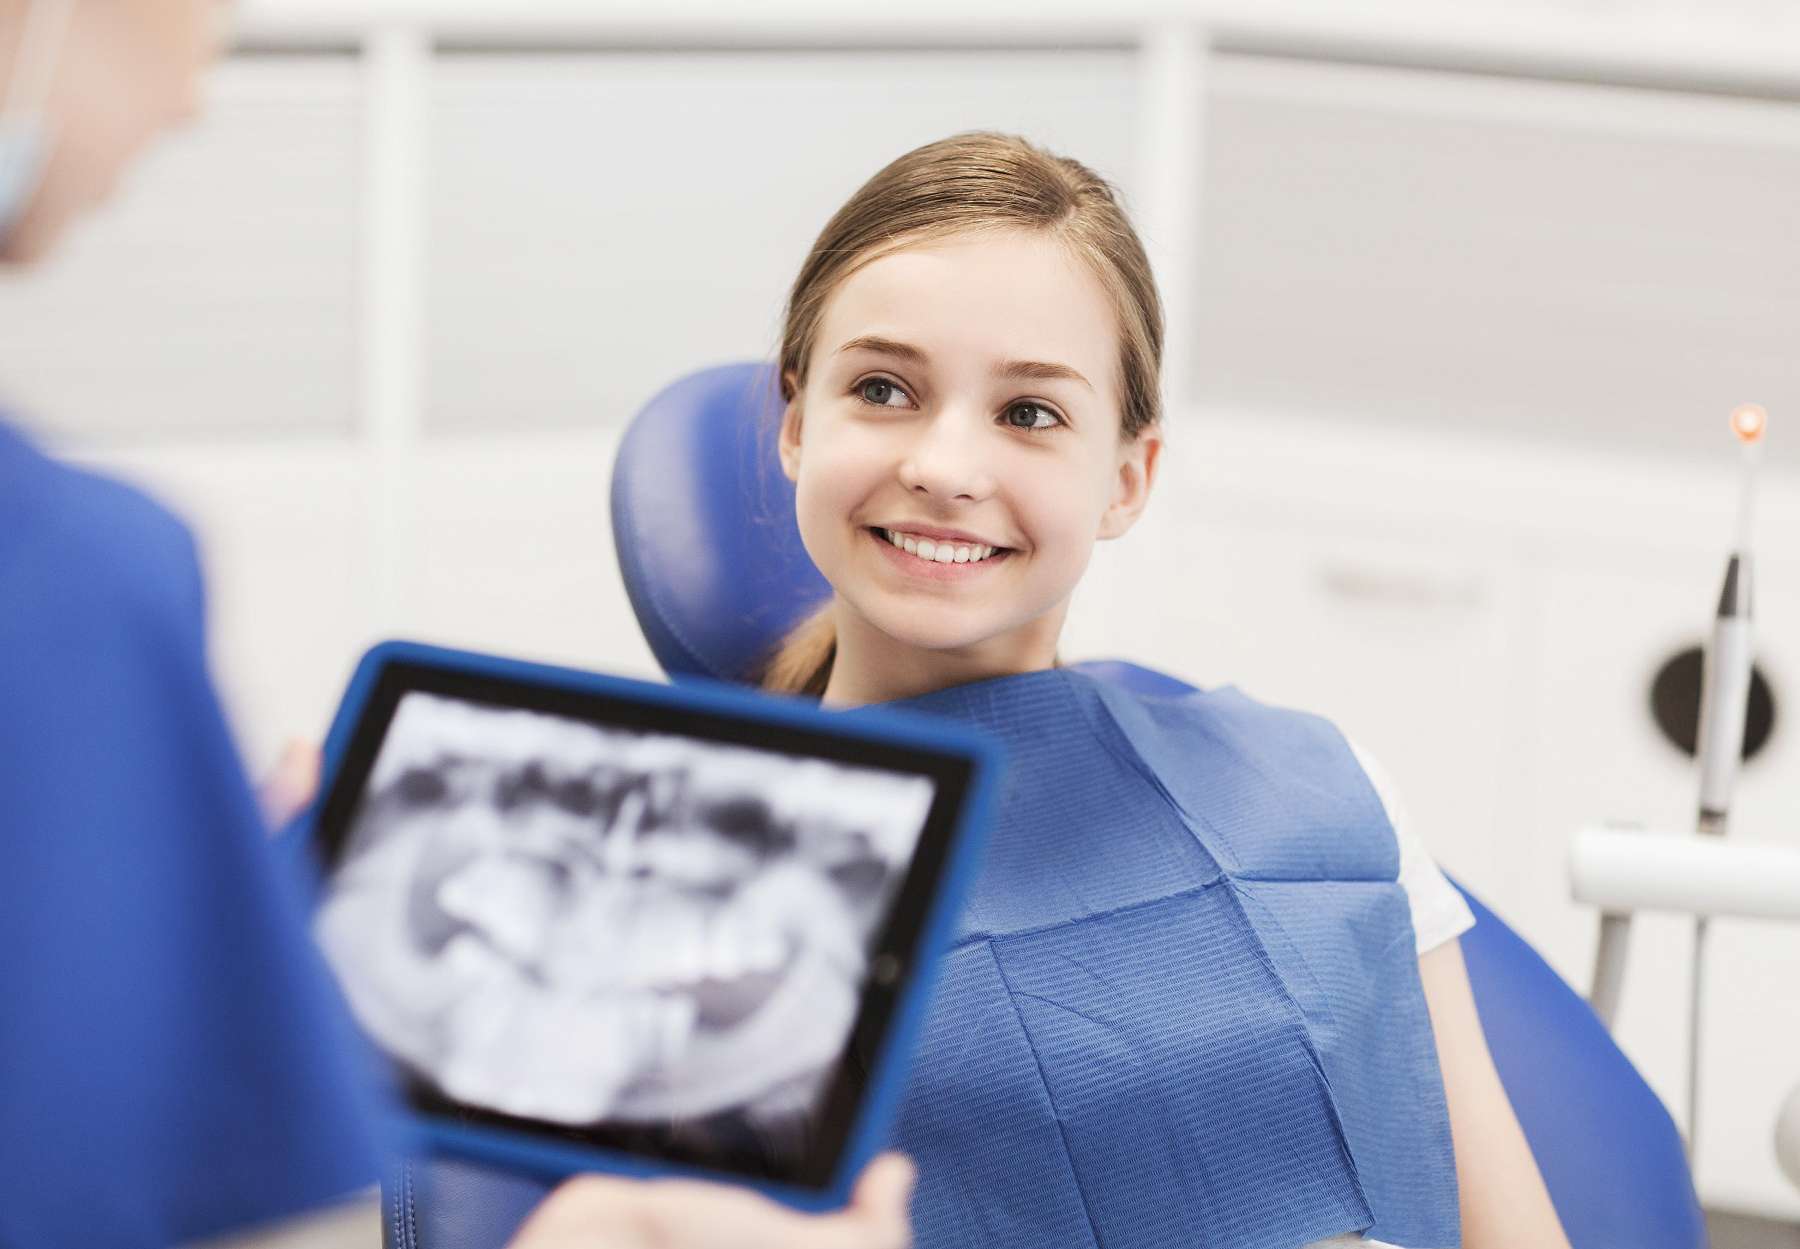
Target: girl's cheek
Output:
{"points": [[822, 502], [849, 462]]}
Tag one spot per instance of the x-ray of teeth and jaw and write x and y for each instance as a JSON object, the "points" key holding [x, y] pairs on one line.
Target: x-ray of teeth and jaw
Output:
{"points": [[582, 925]]}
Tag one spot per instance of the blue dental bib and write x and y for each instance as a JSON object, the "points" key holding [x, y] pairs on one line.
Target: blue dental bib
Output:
{"points": [[1183, 1005]]}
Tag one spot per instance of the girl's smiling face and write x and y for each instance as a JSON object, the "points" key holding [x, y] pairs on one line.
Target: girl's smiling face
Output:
{"points": [[964, 392]]}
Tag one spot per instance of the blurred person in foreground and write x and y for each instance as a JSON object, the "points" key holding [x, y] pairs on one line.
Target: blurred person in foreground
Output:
{"points": [[175, 1063]]}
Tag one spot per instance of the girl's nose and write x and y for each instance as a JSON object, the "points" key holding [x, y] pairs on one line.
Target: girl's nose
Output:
{"points": [[949, 459]]}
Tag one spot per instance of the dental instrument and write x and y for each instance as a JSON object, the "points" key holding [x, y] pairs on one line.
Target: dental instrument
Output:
{"points": [[1724, 702]]}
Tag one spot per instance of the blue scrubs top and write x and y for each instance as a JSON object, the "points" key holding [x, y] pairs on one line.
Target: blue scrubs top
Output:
{"points": [[174, 1060]]}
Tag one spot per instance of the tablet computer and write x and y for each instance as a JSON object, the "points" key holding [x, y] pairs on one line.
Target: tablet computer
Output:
{"points": [[600, 923]]}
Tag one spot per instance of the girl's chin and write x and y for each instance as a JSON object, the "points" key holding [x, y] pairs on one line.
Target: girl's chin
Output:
{"points": [[909, 633], [967, 634], [918, 627]]}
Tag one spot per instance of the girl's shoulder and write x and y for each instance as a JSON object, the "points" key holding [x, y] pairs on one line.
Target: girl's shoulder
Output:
{"points": [[1439, 911]]}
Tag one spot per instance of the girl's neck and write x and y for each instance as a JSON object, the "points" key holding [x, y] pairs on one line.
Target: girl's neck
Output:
{"points": [[872, 667]]}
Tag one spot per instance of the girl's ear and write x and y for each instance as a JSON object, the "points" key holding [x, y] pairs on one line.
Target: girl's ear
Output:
{"points": [[1138, 460], [788, 440]]}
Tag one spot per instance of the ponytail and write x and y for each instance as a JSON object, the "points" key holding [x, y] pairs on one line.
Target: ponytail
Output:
{"points": [[802, 663]]}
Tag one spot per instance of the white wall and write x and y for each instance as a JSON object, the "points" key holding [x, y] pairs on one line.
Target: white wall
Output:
{"points": [[1449, 464]]}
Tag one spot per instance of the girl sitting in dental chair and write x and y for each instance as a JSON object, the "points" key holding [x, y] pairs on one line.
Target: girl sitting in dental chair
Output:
{"points": [[1208, 989]]}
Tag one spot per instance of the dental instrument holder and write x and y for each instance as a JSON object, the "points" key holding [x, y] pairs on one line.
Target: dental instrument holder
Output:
{"points": [[1719, 747]]}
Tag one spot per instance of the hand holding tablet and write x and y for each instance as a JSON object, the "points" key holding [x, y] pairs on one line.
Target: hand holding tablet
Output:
{"points": [[598, 923]]}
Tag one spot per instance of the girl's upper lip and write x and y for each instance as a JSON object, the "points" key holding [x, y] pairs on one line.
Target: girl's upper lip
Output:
{"points": [[937, 533]]}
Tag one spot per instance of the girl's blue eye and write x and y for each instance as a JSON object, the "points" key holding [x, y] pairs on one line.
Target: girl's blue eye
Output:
{"points": [[1033, 421], [878, 390]]}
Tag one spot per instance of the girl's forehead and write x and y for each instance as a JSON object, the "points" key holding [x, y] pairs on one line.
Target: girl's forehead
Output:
{"points": [[1003, 296]]}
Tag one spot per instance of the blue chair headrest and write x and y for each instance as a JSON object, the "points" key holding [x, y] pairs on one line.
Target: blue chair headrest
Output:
{"points": [[703, 522]]}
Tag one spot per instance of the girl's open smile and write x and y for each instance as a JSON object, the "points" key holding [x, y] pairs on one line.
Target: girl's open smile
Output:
{"points": [[939, 560]]}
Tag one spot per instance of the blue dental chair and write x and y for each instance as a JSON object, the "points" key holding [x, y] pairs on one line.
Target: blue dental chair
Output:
{"points": [[703, 521]]}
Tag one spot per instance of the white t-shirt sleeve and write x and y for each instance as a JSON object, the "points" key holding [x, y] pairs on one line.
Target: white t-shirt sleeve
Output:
{"points": [[1438, 911]]}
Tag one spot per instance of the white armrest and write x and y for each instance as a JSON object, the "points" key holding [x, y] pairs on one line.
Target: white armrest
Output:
{"points": [[1622, 871]]}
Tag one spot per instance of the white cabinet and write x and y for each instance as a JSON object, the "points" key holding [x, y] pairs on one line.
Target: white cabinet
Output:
{"points": [[515, 553]]}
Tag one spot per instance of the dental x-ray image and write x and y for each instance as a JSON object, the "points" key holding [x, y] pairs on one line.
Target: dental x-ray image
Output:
{"points": [[587, 925]]}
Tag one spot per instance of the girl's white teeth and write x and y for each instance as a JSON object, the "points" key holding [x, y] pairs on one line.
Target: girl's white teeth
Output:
{"points": [[938, 552]]}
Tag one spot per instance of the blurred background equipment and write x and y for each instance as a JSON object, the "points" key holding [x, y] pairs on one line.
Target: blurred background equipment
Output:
{"points": [[1446, 288], [1720, 741], [1724, 708]]}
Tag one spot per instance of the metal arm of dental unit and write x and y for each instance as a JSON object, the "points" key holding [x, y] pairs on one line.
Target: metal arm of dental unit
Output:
{"points": [[1626, 870], [1622, 873]]}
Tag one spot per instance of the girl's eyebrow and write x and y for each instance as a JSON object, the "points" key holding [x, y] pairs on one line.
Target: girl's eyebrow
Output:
{"points": [[1013, 370]]}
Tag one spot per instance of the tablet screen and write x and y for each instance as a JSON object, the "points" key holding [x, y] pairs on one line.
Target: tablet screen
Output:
{"points": [[670, 934]]}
